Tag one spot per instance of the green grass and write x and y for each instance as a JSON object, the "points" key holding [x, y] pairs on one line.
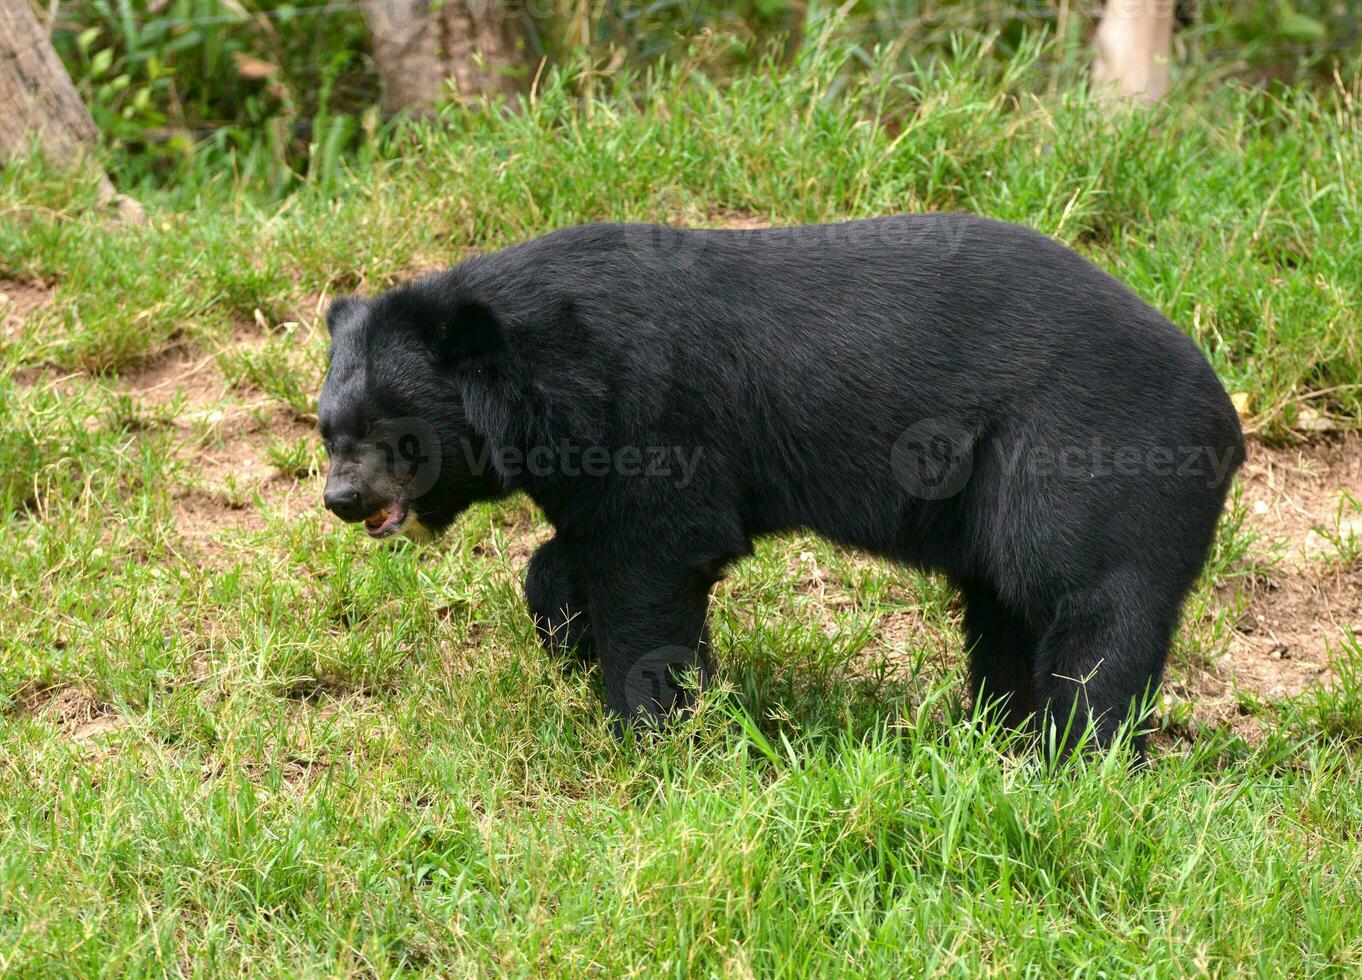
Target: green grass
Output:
{"points": [[234, 736]]}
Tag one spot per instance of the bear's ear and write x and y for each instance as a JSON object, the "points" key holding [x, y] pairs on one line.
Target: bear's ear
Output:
{"points": [[341, 310], [473, 331]]}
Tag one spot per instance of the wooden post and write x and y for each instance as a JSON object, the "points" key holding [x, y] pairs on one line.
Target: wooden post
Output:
{"points": [[416, 49], [1134, 44], [37, 100]]}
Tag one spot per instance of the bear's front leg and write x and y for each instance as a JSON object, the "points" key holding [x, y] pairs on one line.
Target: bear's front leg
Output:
{"points": [[650, 633], [557, 603]]}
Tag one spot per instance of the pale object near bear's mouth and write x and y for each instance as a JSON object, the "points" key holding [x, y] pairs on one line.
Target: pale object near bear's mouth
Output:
{"points": [[399, 517], [387, 521]]}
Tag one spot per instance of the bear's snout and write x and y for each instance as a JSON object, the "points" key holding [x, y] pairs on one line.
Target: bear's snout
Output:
{"points": [[349, 495], [348, 503]]}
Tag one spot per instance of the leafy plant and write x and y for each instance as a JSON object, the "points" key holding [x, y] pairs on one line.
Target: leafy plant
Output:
{"points": [[252, 87], [297, 458]]}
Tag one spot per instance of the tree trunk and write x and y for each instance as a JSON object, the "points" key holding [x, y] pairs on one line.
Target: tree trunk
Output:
{"points": [[1134, 43], [37, 100], [416, 49]]}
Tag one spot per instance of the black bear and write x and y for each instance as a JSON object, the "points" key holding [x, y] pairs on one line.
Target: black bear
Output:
{"points": [[951, 392]]}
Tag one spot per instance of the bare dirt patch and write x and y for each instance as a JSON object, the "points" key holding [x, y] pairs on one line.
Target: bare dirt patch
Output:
{"points": [[224, 438], [19, 301], [296, 774], [181, 376], [74, 709], [1310, 594], [234, 478], [899, 637], [739, 220], [515, 539], [201, 518]]}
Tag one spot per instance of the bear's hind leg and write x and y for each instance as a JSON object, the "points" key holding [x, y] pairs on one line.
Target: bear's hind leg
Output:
{"points": [[1001, 656], [557, 603]]}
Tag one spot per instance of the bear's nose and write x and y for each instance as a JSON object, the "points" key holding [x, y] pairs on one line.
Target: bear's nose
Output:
{"points": [[346, 503]]}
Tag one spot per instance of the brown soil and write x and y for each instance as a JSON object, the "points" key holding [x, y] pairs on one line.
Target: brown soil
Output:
{"points": [[78, 713], [741, 220], [1309, 593], [224, 437], [18, 300], [233, 470], [189, 376]]}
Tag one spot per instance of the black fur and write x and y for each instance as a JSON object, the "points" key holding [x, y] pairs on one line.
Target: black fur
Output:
{"points": [[942, 390]]}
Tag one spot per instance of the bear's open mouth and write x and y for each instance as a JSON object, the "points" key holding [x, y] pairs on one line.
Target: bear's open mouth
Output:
{"points": [[388, 520]]}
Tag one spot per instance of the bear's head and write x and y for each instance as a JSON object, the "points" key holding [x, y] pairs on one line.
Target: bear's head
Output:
{"points": [[405, 369]]}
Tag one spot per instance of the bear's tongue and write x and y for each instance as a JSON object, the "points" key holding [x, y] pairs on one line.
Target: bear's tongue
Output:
{"points": [[385, 521]]}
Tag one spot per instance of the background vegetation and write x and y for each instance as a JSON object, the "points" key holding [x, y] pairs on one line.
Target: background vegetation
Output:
{"points": [[278, 92]]}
